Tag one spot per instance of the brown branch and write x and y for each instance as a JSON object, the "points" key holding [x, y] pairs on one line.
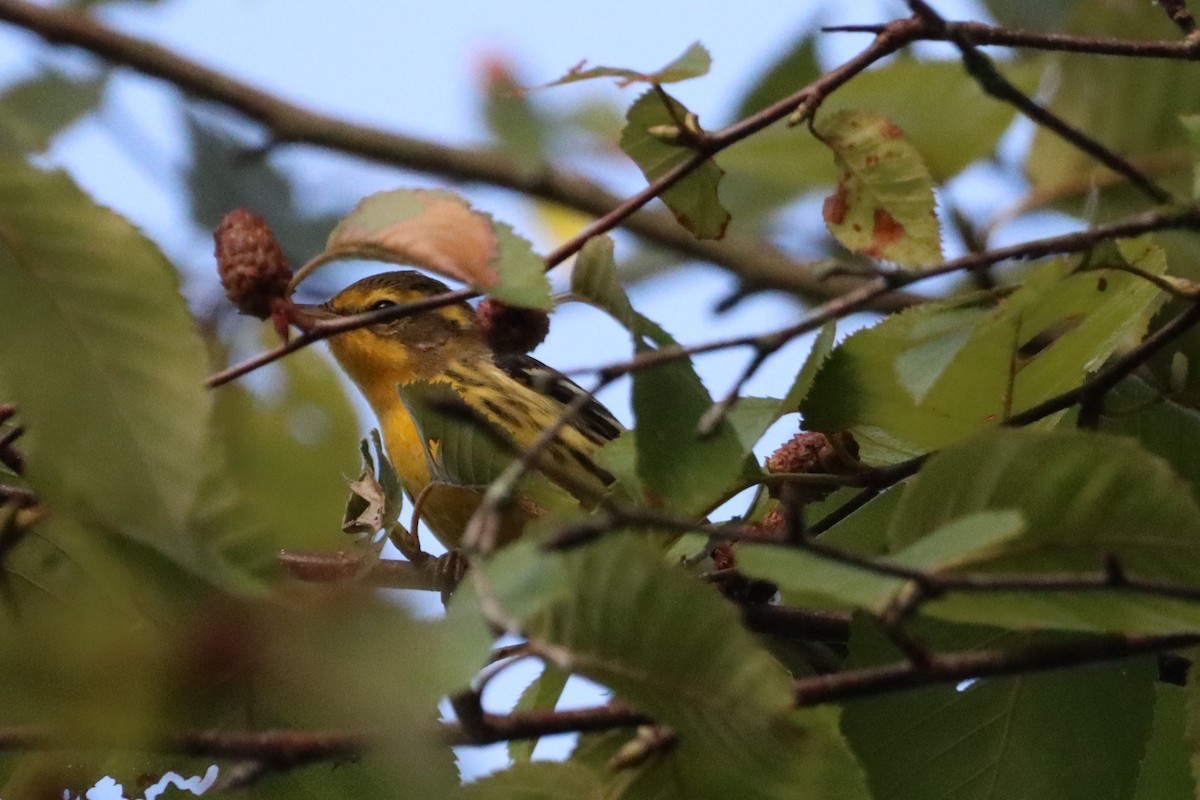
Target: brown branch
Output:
{"points": [[279, 749], [992, 35], [754, 260], [521, 725], [383, 573], [942, 669], [981, 68]]}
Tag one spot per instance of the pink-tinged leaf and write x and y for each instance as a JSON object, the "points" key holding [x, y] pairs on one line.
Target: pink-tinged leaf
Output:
{"points": [[694, 62], [693, 200], [883, 206], [439, 231]]}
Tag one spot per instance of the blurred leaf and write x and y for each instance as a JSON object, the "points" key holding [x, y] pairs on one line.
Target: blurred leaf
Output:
{"points": [[539, 780], [883, 206], [102, 357], [789, 73], [1036, 15], [1087, 500], [226, 173], [1094, 95], [289, 449], [542, 693], [937, 373], [688, 663], [693, 199], [33, 112], [694, 62], [376, 496], [1077, 733], [440, 231], [1191, 124], [1165, 770], [518, 127], [1165, 428]]}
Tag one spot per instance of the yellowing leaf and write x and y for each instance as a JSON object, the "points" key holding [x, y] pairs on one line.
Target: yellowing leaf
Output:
{"points": [[694, 62], [441, 232], [883, 206]]}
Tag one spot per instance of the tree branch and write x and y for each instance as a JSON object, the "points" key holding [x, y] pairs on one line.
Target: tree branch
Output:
{"points": [[755, 261], [384, 573]]}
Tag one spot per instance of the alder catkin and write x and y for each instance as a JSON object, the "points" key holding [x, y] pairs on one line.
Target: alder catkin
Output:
{"points": [[250, 262], [511, 329]]}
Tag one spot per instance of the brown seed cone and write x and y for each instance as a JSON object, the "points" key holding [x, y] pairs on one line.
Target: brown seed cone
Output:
{"points": [[511, 329], [813, 452], [250, 262]]}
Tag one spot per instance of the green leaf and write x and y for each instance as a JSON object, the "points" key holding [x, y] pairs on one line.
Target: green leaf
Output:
{"points": [[809, 578], [288, 449], [542, 693], [33, 112], [1166, 769], [440, 231], [807, 376], [933, 375], [884, 206], [1165, 428], [688, 662], [794, 69], [519, 128], [1191, 124], [102, 357], [692, 63], [1070, 734], [1086, 499], [539, 780], [780, 163], [693, 199], [683, 470]]}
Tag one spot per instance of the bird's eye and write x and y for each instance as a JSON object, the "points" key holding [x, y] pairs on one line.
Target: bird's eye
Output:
{"points": [[382, 304]]}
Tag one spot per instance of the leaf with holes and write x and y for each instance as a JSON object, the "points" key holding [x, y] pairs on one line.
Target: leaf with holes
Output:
{"points": [[440, 231], [693, 199], [883, 206]]}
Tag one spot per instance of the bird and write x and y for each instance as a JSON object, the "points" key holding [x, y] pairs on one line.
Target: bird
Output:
{"points": [[411, 370]]}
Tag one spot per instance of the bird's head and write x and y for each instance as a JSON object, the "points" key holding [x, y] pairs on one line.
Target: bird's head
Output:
{"points": [[411, 348]]}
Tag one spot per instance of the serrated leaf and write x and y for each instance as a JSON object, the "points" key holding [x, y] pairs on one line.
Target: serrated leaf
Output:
{"points": [[688, 662], [822, 347], [1086, 500], [935, 374], [807, 577], [884, 206], [682, 469], [693, 199], [33, 112], [102, 357], [692, 63], [440, 231], [1167, 429], [1074, 735], [539, 780], [780, 163]]}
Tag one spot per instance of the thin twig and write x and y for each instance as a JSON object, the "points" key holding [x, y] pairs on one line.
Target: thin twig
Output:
{"points": [[1178, 13], [995, 36], [981, 68], [383, 573]]}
